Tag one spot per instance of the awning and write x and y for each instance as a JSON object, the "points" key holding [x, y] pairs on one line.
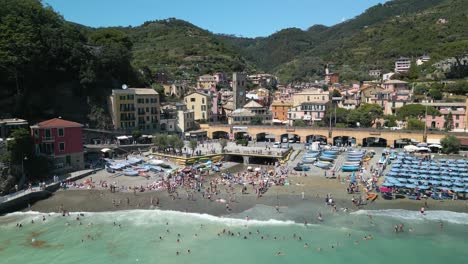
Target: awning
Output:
{"points": [[122, 137], [276, 121], [104, 150], [307, 117]]}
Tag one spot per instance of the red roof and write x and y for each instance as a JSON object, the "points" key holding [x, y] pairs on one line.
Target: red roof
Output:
{"points": [[58, 122]]}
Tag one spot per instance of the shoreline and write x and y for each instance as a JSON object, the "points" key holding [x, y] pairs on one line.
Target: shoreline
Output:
{"points": [[95, 200]]}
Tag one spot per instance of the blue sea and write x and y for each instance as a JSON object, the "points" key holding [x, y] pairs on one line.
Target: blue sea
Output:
{"points": [[258, 235]]}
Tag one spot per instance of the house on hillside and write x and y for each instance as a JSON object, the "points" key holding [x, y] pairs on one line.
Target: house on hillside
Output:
{"points": [[61, 141], [402, 64]]}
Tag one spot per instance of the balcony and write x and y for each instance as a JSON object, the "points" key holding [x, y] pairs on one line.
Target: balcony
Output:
{"points": [[48, 139]]}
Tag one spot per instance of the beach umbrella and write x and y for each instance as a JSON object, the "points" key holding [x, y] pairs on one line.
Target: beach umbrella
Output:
{"points": [[446, 183], [434, 172], [387, 184], [422, 187], [411, 186], [457, 179], [425, 176], [458, 189], [446, 178], [399, 184], [434, 182], [413, 180], [460, 184]]}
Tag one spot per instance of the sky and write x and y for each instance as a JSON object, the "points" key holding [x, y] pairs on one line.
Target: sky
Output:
{"points": [[247, 18]]}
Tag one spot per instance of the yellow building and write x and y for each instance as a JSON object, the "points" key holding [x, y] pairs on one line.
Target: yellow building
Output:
{"points": [[311, 95], [200, 103], [135, 108], [206, 82]]}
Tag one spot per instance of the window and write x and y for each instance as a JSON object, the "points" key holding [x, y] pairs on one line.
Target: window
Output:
{"points": [[62, 146], [457, 117], [308, 98], [456, 125], [147, 100], [203, 100], [36, 132], [192, 99], [61, 132], [48, 134]]}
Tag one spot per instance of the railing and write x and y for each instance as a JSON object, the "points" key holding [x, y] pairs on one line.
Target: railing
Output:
{"points": [[50, 138]]}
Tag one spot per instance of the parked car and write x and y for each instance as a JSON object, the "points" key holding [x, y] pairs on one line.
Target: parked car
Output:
{"points": [[277, 145], [292, 140]]}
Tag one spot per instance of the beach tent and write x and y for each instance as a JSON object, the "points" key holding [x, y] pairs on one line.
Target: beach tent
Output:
{"points": [[410, 148]]}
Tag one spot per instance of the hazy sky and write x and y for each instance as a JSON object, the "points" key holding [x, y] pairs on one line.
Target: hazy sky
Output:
{"points": [[249, 18]]}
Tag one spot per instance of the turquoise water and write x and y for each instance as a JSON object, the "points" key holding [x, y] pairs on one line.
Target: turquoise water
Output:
{"points": [[339, 237]]}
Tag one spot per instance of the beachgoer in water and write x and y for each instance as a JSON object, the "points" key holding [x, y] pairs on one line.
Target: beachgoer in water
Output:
{"points": [[422, 210], [400, 228], [306, 245], [188, 251], [177, 253], [279, 253]]}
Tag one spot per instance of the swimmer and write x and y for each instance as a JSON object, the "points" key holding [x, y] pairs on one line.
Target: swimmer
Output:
{"points": [[261, 238], [319, 249], [319, 217], [258, 232], [279, 253], [274, 238], [196, 235], [178, 240], [32, 221], [423, 210], [160, 238], [43, 218], [306, 245], [300, 238], [188, 251], [178, 235], [167, 230], [177, 253]]}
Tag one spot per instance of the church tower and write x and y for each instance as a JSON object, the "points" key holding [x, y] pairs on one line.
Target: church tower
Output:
{"points": [[238, 88]]}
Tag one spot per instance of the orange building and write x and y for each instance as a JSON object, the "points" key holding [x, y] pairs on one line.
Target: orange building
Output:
{"points": [[279, 110]]}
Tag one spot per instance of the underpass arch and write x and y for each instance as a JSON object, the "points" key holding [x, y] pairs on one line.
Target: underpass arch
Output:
{"points": [[374, 142]]}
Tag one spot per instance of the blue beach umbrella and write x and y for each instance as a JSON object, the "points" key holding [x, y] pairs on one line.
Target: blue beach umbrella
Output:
{"points": [[446, 183], [413, 180], [459, 184], [458, 189], [411, 186], [423, 187], [387, 184], [398, 184]]}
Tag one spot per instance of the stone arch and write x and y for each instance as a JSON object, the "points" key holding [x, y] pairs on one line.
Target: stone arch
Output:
{"points": [[241, 135], [313, 138], [220, 134], [399, 143], [374, 142], [287, 137], [344, 141]]}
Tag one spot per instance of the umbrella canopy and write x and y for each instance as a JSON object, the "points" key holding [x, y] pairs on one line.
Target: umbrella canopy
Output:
{"points": [[458, 189], [422, 187], [411, 186], [387, 184], [410, 148]]}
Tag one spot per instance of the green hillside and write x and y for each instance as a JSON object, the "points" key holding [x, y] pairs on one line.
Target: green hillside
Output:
{"points": [[371, 40], [182, 49]]}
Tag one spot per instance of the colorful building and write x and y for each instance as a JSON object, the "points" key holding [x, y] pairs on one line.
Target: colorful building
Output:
{"points": [[279, 110], [61, 141], [200, 103], [459, 116], [135, 108]]}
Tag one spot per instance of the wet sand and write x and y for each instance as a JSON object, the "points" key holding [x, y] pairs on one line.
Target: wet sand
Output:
{"points": [[315, 190]]}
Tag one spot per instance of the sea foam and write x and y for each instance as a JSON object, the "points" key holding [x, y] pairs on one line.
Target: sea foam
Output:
{"points": [[446, 216]]}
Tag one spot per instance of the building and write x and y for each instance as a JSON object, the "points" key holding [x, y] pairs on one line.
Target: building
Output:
{"points": [[61, 141], [263, 79], [331, 77], [402, 64], [387, 76], [458, 111], [238, 88], [423, 59], [375, 73], [135, 109], [395, 85], [310, 95], [175, 89], [279, 110], [200, 103], [8, 125], [310, 112], [206, 81], [176, 118]]}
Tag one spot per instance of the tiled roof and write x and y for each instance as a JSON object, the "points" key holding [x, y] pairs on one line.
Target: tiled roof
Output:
{"points": [[58, 122]]}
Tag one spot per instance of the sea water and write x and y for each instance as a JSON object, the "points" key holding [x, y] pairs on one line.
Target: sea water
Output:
{"points": [[134, 237]]}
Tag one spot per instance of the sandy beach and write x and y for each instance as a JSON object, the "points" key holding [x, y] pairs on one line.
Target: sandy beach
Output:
{"points": [[315, 189]]}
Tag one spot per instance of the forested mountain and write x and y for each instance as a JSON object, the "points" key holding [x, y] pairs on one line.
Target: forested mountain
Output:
{"points": [[371, 40], [51, 67]]}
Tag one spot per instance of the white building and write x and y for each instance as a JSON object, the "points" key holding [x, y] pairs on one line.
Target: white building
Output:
{"points": [[402, 64]]}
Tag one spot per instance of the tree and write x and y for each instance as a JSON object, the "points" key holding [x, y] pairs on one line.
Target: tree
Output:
{"points": [[341, 115], [415, 111], [365, 115], [223, 142], [160, 141], [256, 120], [336, 93], [178, 144], [20, 146], [448, 123], [450, 144], [413, 72], [136, 134], [415, 124], [193, 144], [436, 94], [299, 123], [390, 121]]}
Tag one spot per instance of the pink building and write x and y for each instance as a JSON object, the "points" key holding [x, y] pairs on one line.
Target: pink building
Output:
{"points": [[459, 116], [61, 141], [310, 112]]}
